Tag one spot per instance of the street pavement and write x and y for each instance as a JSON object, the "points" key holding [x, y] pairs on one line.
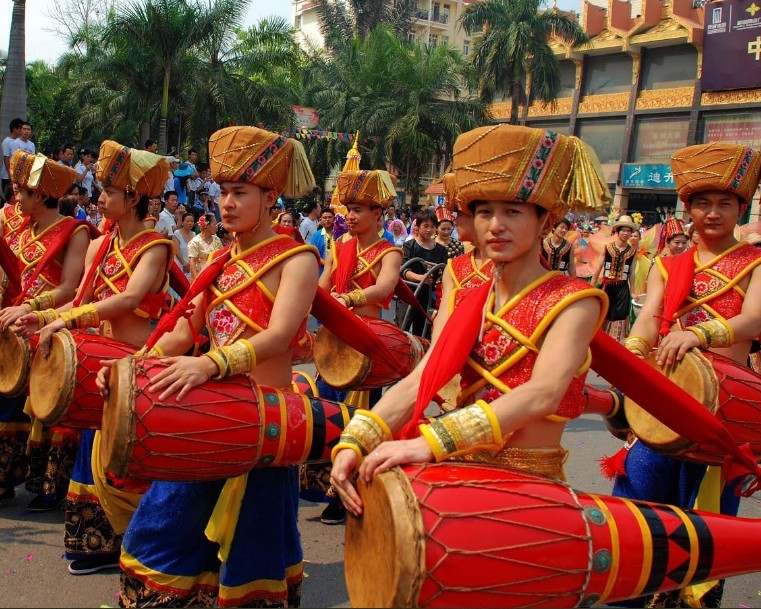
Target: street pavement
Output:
{"points": [[33, 569]]}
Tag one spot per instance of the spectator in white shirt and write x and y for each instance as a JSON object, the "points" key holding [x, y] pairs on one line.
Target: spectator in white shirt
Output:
{"points": [[309, 226], [86, 169], [22, 142], [167, 223], [174, 163], [14, 131]]}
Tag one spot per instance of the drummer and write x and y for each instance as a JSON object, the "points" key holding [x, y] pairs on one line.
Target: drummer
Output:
{"points": [[40, 183], [250, 553], [517, 394], [123, 288], [706, 298]]}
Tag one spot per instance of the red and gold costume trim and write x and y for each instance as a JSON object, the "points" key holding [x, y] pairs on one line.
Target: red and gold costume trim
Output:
{"points": [[467, 274], [558, 258], [32, 248], [119, 264], [715, 291], [365, 272], [14, 222], [505, 355], [238, 299]]}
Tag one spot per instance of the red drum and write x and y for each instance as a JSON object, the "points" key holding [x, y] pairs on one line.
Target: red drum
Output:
{"points": [[304, 384], [729, 390], [62, 386], [304, 352], [479, 535], [221, 429], [15, 362], [342, 367]]}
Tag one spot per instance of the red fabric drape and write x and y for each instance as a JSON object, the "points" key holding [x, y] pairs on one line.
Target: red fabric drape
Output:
{"points": [[9, 263], [347, 263], [680, 269]]}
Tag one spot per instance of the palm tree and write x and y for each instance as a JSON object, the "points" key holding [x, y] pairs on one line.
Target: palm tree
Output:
{"points": [[14, 82], [341, 20], [165, 30], [515, 47]]}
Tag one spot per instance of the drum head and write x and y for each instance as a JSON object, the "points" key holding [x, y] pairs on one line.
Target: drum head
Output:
{"points": [[385, 548], [696, 376], [117, 437], [15, 362], [53, 379], [339, 365]]}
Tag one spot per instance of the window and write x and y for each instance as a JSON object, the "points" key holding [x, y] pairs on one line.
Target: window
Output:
{"points": [[433, 40], [656, 138], [466, 48], [668, 67], [608, 74], [557, 127], [297, 22], [411, 37], [605, 135], [445, 40], [743, 128], [567, 78]]}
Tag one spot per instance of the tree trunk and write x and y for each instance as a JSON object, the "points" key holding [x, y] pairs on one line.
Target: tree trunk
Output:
{"points": [[145, 132], [515, 95], [14, 84], [164, 113]]}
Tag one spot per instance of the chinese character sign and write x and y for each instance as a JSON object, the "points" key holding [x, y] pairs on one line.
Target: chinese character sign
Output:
{"points": [[644, 175]]}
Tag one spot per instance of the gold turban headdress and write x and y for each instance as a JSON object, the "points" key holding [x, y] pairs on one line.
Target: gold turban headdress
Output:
{"points": [[38, 172], [137, 171], [366, 187], [262, 158], [527, 165], [452, 199], [716, 166]]}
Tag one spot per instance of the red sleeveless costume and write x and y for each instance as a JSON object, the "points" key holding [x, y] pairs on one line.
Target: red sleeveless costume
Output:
{"points": [[465, 273], [365, 273]]}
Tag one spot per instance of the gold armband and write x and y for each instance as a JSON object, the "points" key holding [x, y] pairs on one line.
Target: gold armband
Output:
{"points": [[637, 345], [464, 431], [713, 333], [233, 359], [355, 298], [46, 317], [155, 351], [363, 434], [81, 317], [46, 300]]}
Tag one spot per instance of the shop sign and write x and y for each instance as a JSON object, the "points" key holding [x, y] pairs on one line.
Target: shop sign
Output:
{"points": [[646, 175], [740, 128]]}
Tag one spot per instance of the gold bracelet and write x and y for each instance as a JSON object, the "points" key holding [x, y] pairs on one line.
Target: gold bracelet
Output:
{"points": [[355, 298], [237, 358], [713, 333], [155, 351], [46, 317], [464, 431], [365, 431], [637, 345], [46, 300], [81, 317], [346, 445]]}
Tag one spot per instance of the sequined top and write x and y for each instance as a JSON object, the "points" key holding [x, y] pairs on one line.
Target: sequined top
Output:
{"points": [[715, 291], [558, 258], [14, 222], [366, 271], [238, 299], [504, 357], [617, 263], [32, 248], [121, 261], [466, 274]]}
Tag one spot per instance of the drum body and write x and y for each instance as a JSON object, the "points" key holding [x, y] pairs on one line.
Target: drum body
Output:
{"points": [[344, 368], [221, 429], [304, 384], [477, 535], [730, 391], [62, 386], [15, 362]]}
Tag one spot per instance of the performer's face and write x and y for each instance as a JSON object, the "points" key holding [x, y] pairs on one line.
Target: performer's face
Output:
{"points": [[361, 219], [26, 199], [509, 231], [114, 203], [242, 206], [715, 213], [561, 230], [678, 244]]}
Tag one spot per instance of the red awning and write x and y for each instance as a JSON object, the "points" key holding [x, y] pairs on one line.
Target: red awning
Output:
{"points": [[435, 189]]}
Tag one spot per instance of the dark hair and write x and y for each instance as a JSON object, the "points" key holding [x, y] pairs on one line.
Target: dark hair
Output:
{"points": [[426, 215], [169, 193], [188, 213], [327, 210], [309, 206], [222, 231], [562, 221], [66, 147], [67, 205], [149, 143], [27, 123], [191, 151], [16, 123], [141, 209]]}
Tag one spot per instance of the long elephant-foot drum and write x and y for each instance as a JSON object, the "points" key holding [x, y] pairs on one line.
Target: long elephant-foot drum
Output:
{"points": [[62, 386], [478, 535], [730, 391], [342, 367], [221, 429], [15, 362]]}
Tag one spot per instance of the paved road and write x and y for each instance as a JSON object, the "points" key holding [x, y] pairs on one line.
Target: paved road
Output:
{"points": [[33, 570]]}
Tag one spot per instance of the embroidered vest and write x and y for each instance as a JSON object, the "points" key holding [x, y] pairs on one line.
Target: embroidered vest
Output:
{"points": [[14, 222], [32, 248], [715, 291], [366, 271], [119, 264], [617, 263], [238, 299], [558, 258], [466, 274], [505, 356]]}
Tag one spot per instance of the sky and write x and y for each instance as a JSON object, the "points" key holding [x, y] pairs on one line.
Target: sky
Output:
{"points": [[46, 46]]}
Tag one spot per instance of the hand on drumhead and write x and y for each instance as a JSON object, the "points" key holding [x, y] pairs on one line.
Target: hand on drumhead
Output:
{"points": [[181, 375], [9, 315], [399, 452], [26, 325], [674, 346], [340, 477], [104, 374], [46, 333]]}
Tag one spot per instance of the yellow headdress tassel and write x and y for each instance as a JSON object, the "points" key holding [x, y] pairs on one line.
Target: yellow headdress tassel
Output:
{"points": [[300, 179], [585, 187], [386, 188]]}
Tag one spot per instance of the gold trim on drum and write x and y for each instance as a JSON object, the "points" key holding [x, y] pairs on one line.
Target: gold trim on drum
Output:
{"points": [[392, 516], [53, 379], [15, 363]]}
